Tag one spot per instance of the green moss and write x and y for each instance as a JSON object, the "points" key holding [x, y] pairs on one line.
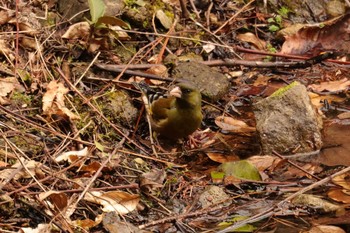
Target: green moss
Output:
{"points": [[19, 99], [282, 90]]}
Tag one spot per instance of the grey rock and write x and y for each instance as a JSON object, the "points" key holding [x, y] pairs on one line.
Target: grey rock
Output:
{"points": [[213, 84], [69, 8], [213, 195], [287, 122]]}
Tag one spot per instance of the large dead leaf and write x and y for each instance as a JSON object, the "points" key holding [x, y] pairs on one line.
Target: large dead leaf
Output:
{"points": [[41, 228], [324, 229], [119, 201], [336, 144], [316, 202], [253, 39], [53, 101], [314, 39], [331, 86], [72, 155], [8, 85], [232, 125], [153, 180], [77, 31], [339, 195], [343, 180], [17, 171]]}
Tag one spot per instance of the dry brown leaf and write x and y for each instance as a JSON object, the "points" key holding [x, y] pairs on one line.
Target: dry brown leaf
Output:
{"points": [[152, 180], [160, 70], [58, 199], [318, 100], [77, 31], [251, 38], [324, 229], [15, 174], [263, 162], [331, 86], [336, 144], [5, 16], [67, 156], [339, 195], [53, 101], [41, 228], [8, 85], [6, 50], [232, 125], [222, 158], [313, 39], [344, 115], [343, 180], [121, 202]]}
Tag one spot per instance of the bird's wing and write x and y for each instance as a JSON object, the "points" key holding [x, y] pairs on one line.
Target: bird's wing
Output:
{"points": [[161, 107]]}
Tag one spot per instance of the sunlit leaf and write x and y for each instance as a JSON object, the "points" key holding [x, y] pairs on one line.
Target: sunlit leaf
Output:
{"points": [[241, 169], [97, 9], [244, 228]]}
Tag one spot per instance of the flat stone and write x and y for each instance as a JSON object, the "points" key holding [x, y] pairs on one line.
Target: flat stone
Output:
{"points": [[287, 122], [213, 84]]}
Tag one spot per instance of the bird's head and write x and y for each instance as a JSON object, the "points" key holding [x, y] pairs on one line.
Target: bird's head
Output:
{"points": [[187, 94]]}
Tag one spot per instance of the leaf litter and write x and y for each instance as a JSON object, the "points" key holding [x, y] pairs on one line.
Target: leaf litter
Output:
{"points": [[67, 163]]}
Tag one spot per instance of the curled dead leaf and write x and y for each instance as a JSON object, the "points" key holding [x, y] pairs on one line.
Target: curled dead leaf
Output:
{"points": [[331, 86], [67, 156], [339, 195], [232, 125], [121, 202], [253, 39], [77, 31], [53, 101]]}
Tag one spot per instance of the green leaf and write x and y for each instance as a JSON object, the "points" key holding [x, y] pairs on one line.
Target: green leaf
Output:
{"points": [[241, 169], [244, 228], [274, 28], [270, 20], [278, 20], [99, 146], [217, 175], [97, 9], [284, 11]]}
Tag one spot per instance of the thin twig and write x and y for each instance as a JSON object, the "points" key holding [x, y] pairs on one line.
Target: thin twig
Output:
{"points": [[295, 165], [279, 206]]}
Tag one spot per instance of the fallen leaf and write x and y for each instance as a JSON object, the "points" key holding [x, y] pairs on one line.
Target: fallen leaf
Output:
{"points": [[324, 229], [77, 31], [41, 228], [53, 101], [232, 125], [222, 157], [339, 196], [313, 39], [316, 202], [8, 85], [331, 86], [66, 156], [253, 39], [119, 201], [343, 180], [241, 169]]}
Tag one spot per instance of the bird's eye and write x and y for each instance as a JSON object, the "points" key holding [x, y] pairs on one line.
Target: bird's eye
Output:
{"points": [[186, 91]]}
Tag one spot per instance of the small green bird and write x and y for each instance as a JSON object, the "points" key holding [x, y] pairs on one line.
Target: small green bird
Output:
{"points": [[176, 116]]}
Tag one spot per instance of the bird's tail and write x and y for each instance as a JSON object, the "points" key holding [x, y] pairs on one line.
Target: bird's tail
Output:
{"points": [[148, 94]]}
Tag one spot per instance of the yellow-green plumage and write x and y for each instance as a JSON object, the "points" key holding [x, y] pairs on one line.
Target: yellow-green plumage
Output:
{"points": [[179, 115]]}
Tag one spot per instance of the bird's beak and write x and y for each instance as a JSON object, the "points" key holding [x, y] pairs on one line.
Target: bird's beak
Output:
{"points": [[176, 91]]}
